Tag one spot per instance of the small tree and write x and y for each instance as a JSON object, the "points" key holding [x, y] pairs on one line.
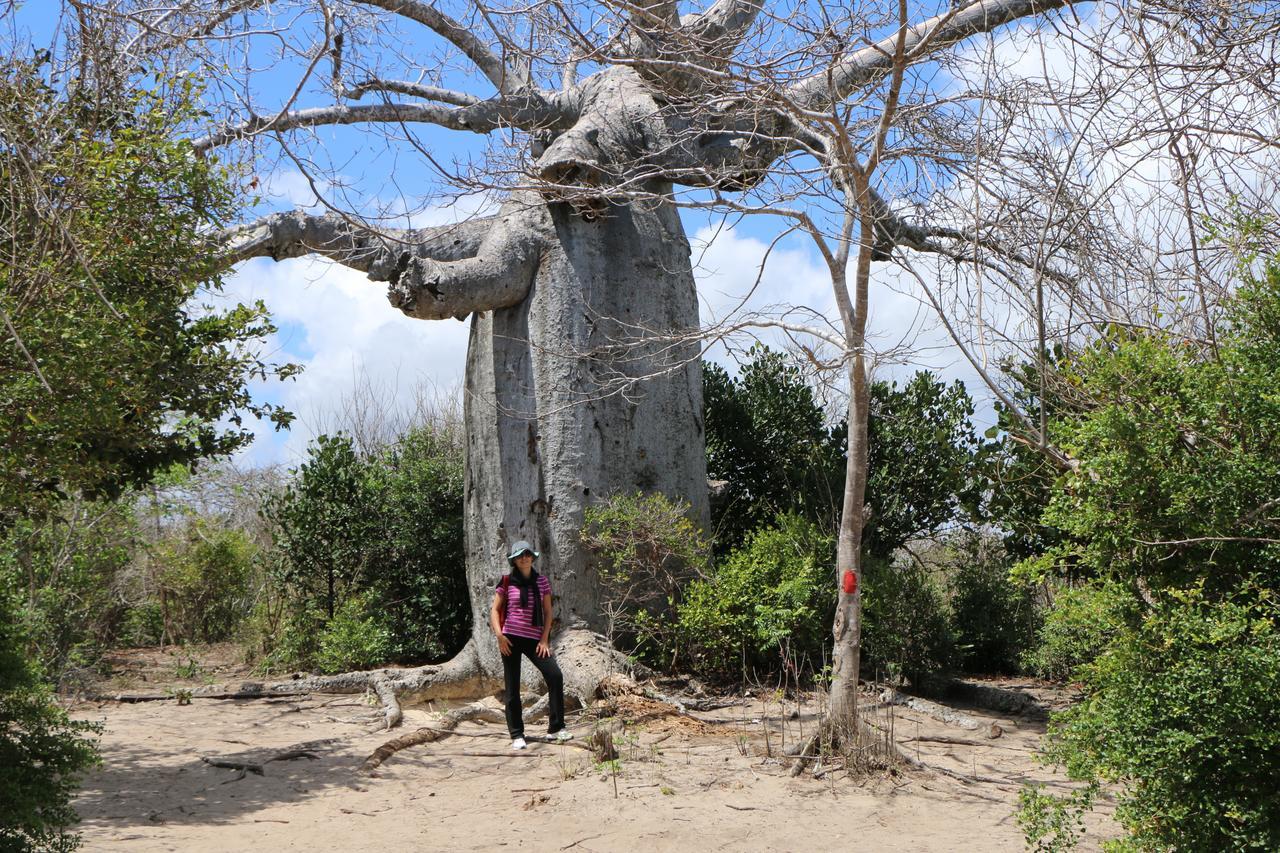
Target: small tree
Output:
{"points": [[647, 549], [42, 752], [420, 580], [768, 440], [326, 522], [108, 372]]}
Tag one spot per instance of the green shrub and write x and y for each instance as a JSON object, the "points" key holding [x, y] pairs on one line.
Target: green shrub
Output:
{"points": [[326, 526], [69, 567], [421, 580], [906, 628], [288, 639], [646, 549], [355, 638], [204, 583], [1184, 711], [143, 625], [769, 443], [1078, 627], [1051, 823], [42, 752], [993, 618], [386, 526], [777, 588]]}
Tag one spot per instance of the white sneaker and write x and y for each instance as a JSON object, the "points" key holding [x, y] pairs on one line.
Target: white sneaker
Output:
{"points": [[561, 736], [518, 743]]}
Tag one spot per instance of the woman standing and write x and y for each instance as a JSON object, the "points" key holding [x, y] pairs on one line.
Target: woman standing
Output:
{"points": [[521, 619]]}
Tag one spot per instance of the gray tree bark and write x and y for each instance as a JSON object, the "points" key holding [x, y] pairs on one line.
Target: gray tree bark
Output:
{"points": [[569, 399], [583, 377]]}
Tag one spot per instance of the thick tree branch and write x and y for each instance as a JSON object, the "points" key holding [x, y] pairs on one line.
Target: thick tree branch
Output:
{"points": [[722, 27], [497, 276], [524, 112], [869, 63], [295, 234], [460, 36]]}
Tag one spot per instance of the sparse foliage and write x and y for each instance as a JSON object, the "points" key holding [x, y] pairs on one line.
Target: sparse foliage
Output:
{"points": [[42, 752], [646, 550]]}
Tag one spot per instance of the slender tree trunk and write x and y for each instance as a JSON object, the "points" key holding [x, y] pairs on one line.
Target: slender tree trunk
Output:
{"points": [[847, 628]]}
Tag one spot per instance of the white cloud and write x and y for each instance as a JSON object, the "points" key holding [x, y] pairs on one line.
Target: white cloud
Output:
{"points": [[340, 327], [902, 328], [291, 187]]}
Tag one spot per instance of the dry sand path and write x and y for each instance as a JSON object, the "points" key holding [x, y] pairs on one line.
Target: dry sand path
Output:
{"points": [[701, 782]]}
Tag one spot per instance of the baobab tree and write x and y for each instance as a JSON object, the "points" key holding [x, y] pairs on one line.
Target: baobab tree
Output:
{"points": [[577, 285]]}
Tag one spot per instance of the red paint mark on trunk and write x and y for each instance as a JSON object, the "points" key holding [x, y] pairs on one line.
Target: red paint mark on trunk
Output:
{"points": [[849, 582]]}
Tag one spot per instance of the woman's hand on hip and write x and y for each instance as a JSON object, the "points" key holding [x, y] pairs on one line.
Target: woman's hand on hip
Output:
{"points": [[504, 645], [544, 649]]}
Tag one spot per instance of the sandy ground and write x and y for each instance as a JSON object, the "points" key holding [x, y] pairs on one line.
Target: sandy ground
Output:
{"points": [[702, 781]]}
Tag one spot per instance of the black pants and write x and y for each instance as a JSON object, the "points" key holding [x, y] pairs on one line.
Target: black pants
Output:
{"points": [[523, 646]]}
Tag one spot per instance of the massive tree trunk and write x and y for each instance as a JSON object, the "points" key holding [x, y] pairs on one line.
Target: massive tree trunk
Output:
{"points": [[570, 398]]}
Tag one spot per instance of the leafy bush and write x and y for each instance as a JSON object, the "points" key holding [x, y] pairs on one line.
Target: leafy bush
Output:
{"points": [[421, 581], [906, 628], [326, 526], [993, 618], [284, 638], [204, 584], [646, 550], [1184, 710], [355, 638], [42, 752], [1052, 823], [383, 530], [921, 449], [778, 587], [1080, 625], [1180, 466], [69, 566], [768, 440]]}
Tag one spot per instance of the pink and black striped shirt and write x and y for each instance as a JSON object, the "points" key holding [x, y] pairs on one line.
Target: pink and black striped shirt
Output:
{"points": [[519, 620]]}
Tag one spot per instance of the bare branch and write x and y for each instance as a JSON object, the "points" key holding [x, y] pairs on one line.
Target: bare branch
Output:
{"points": [[460, 36], [524, 112], [413, 90], [874, 61]]}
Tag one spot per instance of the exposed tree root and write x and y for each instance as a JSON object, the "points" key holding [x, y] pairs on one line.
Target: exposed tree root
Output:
{"points": [[1001, 700], [461, 677], [391, 712], [474, 711], [862, 748], [960, 777], [590, 666]]}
